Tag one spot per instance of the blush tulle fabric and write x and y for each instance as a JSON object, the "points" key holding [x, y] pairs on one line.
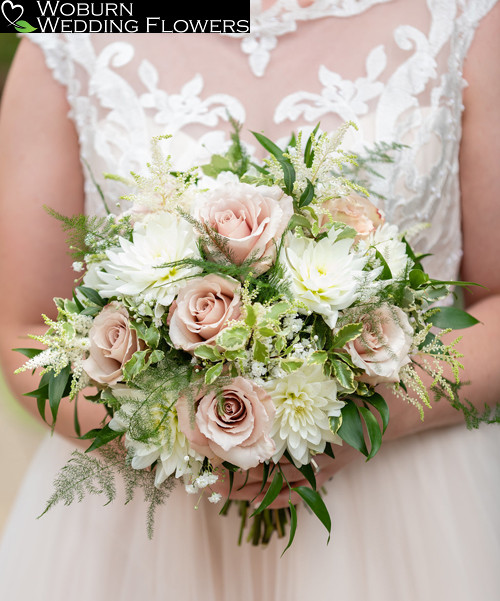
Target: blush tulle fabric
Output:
{"points": [[419, 522]]}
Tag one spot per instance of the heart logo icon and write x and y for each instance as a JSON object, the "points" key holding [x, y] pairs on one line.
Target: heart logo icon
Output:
{"points": [[10, 10]]}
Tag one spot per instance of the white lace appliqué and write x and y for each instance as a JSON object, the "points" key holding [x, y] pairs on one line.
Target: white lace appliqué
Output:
{"points": [[415, 100]]}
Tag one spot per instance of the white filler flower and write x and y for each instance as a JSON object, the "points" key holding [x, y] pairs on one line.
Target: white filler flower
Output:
{"points": [[325, 276], [134, 268], [304, 401]]}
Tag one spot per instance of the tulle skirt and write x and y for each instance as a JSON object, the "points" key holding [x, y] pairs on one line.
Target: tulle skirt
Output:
{"points": [[419, 522]]}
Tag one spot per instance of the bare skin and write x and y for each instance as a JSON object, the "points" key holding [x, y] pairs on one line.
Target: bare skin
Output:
{"points": [[39, 163]]}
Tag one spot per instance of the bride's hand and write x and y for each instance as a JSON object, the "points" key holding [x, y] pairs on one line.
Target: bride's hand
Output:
{"points": [[247, 488]]}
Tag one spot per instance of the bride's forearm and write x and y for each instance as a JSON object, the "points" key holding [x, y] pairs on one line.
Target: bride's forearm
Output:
{"points": [[480, 376]]}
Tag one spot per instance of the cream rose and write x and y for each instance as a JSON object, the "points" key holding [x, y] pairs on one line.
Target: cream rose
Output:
{"points": [[354, 210], [202, 309], [248, 219], [234, 427], [382, 349], [112, 344]]}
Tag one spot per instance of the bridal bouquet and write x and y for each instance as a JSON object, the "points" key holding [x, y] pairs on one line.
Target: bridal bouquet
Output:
{"points": [[239, 316]]}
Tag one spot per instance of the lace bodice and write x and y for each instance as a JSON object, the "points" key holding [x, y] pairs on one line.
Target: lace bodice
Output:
{"points": [[392, 66]]}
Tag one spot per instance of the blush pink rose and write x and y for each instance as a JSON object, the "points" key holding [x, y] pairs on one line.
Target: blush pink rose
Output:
{"points": [[249, 221], [234, 427], [112, 344], [383, 347], [354, 210], [202, 309]]}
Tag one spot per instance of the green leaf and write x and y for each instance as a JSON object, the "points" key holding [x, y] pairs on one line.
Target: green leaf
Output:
{"points": [[411, 254], [417, 278], [24, 27], [290, 365], [306, 196], [335, 423], [150, 335], [346, 232], [213, 373], [28, 352], [386, 271], [293, 526], [207, 352], [286, 165], [328, 448], [308, 151], [277, 310], [235, 355], [452, 317], [92, 295], [351, 430], [308, 473], [299, 221], [78, 304], [317, 358], [373, 429], [316, 503], [251, 316], [272, 492], [265, 474], [266, 331], [76, 421], [381, 406], [102, 437], [344, 374], [260, 352], [57, 388], [346, 334], [41, 395], [234, 337], [135, 365]]}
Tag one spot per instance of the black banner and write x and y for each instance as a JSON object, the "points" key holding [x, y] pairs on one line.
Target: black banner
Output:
{"points": [[56, 16]]}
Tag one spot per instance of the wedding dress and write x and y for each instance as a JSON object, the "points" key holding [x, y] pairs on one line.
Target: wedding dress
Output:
{"points": [[418, 522]]}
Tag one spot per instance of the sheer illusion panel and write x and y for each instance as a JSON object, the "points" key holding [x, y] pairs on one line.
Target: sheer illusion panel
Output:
{"points": [[392, 67]]}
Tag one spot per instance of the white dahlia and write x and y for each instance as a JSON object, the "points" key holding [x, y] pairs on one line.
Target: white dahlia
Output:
{"points": [[134, 268], [168, 445], [386, 240], [304, 401], [325, 276]]}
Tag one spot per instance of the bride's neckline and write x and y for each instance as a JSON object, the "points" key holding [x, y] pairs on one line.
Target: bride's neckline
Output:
{"points": [[270, 19]]}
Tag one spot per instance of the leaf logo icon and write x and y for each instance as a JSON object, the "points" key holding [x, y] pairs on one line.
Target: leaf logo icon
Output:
{"points": [[13, 13]]}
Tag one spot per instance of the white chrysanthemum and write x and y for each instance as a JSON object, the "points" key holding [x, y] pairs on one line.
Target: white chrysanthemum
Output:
{"points": [[304, 401], [386, 240], [169, 447], [133, 270], [325, 276]]}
